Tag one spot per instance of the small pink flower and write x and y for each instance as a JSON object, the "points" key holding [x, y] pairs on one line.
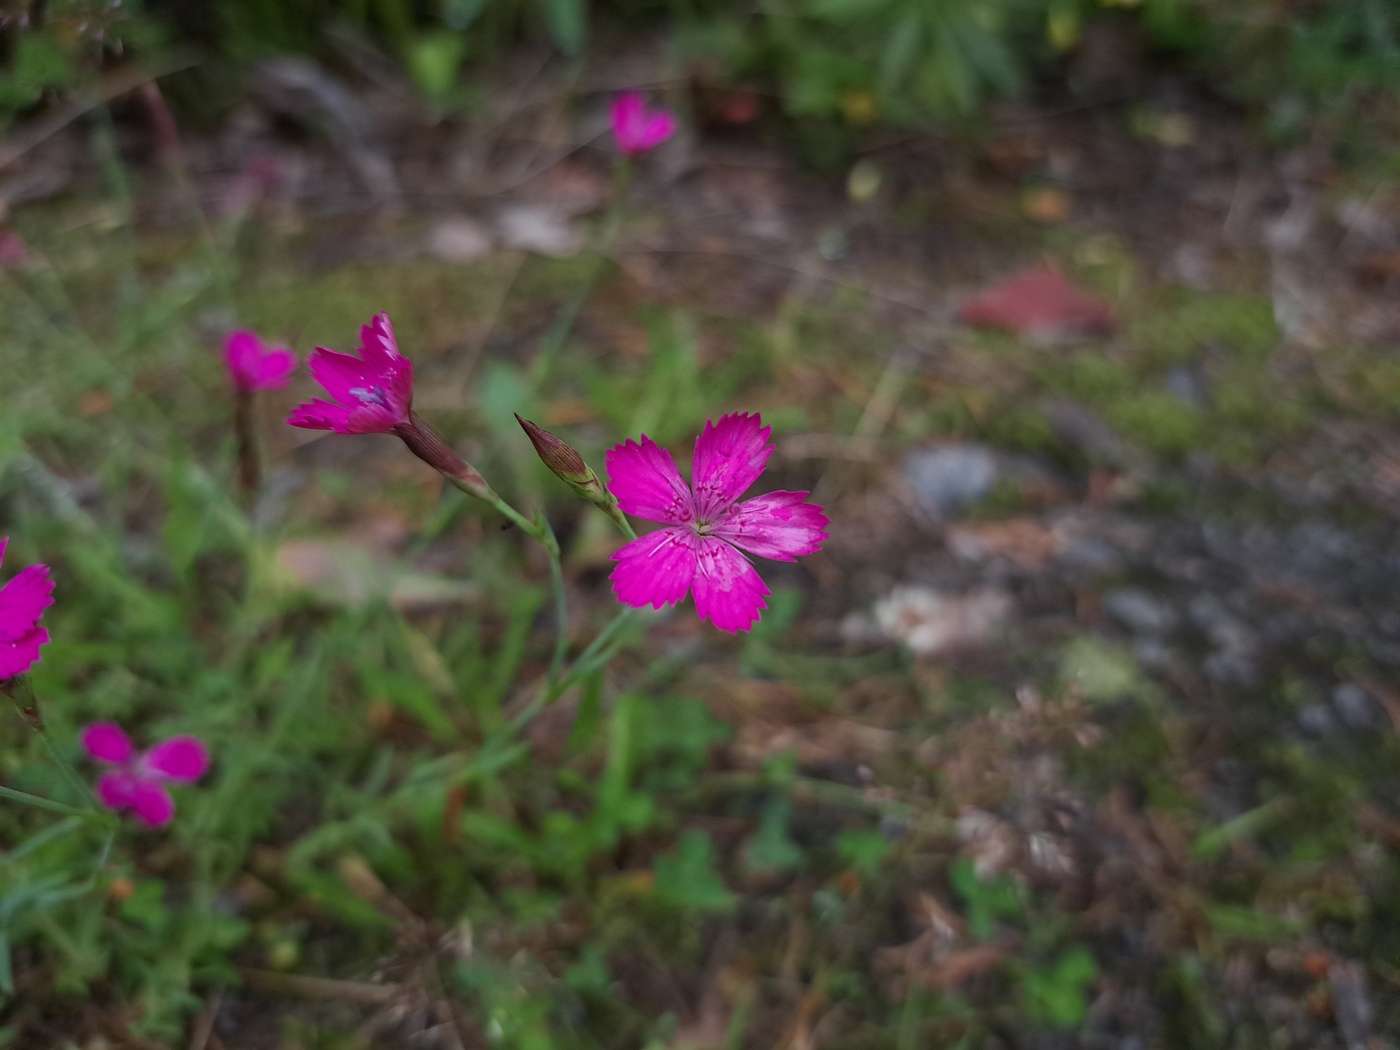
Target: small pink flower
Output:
{"points": [[138, 781], [22, 604], [706, 528], [373, 392], [638, 129], [12, 249], [253, 365]]}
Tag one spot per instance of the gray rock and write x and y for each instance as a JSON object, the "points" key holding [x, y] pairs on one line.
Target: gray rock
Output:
{"points": [[1317, 720], [946, 478], [1076, 425], [1139, 611], [1355, 707], [1231, 667], [1153, 656], [1091, 553], [1187, 383]]}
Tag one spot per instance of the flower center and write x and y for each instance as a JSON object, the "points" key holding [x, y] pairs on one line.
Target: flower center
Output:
{"points": [[371, 396]]}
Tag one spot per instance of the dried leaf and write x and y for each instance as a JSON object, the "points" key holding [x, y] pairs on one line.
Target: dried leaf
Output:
{"points": [[1039, 304]]}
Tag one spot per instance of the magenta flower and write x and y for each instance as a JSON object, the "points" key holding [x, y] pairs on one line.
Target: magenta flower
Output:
{"points": [[252, 365], [706, 528], [373, 393], [138, 781], [638, 129], [22, 604]]}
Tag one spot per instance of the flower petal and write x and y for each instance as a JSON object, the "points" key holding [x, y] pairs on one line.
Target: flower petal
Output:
{"points": [[655, 570], [242, 353], [181, 758], [777, 525], [659, 127], [320, 415], [17, 657], [627, 110], [644, 478], [274, 369], [343, 374], [23, 600], [116, 789], [729, 457], [107, 742], [151, 803], [728, 590], [378, 345]]}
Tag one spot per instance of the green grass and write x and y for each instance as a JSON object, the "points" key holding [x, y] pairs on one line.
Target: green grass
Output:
{"points": [[369, 810]]}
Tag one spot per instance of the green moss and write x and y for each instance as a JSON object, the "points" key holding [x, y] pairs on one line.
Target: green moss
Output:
{"points": [[1244, 327], [1158, 421], [1020, 427], [1094, 378], [1250, 401]]}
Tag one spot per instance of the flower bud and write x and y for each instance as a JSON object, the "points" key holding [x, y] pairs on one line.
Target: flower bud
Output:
{"points": [[568, 466]]}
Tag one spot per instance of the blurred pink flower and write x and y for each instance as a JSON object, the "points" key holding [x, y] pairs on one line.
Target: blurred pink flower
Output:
{"points": [[22, 604], [638, 129], [373, 392], [12, 250], [138, 781], [253, 365], [706, 528]]}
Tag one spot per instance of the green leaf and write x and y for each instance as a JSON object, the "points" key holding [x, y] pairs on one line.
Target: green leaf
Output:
{"points": [[1057, 995], [987, 901], [460, 14], [686, 877], [434, 59], [566, 24], [863, 850], [771, 848]]}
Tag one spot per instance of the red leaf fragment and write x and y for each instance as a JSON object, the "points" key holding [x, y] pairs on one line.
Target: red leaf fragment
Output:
{"points": [[1039, 303]]}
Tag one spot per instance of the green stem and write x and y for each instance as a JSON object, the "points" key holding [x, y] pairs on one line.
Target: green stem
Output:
{"points": [[561, 603], [39, 802], [72, 774], [557, 336], [525, 525], [598, 653]]}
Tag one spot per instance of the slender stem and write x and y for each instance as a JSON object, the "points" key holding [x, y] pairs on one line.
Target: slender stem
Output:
{"points": [[67, 767], [39, 802], [557, 336], [561, 603], [249, 469], [525, 525], [599, 651]]}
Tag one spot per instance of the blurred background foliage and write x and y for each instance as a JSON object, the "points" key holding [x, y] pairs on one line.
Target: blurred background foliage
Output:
{"points": [[908, 62]]}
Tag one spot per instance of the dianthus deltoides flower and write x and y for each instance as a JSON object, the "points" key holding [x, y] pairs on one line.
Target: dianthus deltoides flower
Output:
{"points": [[137, 783], [253, 365], [707, 529], [373, 394], [637, 128], [22, 604]]}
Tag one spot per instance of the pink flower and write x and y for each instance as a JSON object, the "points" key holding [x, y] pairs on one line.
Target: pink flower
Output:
{"points": [[22, 604], [254, 366], [706, 528], [138, 781], [638, 129], [12, 250], [373, 392]]}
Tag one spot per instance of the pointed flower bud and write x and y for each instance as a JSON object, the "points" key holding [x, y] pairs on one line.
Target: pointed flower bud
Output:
{"points": [[569, 467]]}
